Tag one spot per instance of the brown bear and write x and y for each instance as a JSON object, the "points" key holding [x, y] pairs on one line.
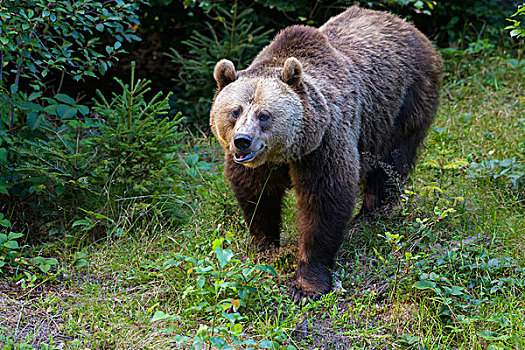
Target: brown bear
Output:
{"points": [[320, 110]]}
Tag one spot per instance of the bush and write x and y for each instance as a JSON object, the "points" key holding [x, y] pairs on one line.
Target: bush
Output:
{"points": [[126, 150], [38, 37], [138, 147], [44, 129], [65, 161]]}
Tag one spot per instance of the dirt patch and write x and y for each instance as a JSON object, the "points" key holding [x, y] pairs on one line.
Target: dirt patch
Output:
{"points": [[25, 320]]}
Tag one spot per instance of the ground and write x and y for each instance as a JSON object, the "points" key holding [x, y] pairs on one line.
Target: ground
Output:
{"points": [[446, 269]]}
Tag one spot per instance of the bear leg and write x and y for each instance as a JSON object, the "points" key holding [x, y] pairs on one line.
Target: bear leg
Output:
{"points": [[325, 203], [385, 180], [260, 192]]}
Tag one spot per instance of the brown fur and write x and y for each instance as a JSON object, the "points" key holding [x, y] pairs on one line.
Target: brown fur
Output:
{"points": [[322, 109]]}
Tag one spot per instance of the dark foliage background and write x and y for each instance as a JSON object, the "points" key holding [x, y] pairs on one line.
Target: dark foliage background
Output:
{"points": [[200, 30]]}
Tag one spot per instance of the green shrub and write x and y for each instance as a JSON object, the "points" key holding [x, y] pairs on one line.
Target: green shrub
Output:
{"points": [[65, 161], [38, 37], [138, 148], [45, 130], [517, 28], [126, 150]]}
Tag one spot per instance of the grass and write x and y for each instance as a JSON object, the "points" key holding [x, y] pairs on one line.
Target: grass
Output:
{"points": [[444, 271]]}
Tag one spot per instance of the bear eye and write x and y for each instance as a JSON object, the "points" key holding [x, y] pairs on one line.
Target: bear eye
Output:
{"points": [[263, 116], [235, 113]]}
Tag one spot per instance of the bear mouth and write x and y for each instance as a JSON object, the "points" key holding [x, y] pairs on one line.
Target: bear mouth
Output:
{"points": [[246, 157], [243, 157]]}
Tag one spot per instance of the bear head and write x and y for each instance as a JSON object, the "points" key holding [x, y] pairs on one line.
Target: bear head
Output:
{"points": [[258, 119]]}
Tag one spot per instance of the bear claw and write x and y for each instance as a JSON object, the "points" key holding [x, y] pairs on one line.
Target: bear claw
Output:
{"points": [[299, 293]]}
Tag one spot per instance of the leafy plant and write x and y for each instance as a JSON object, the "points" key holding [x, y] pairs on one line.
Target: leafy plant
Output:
{"points": [[78, 38], [494, 169], [70, 36], [138, 144], [517, 29], [9, 246], [16, 264], [462, 280], [126, 151], [221, 289], [49, 162]]}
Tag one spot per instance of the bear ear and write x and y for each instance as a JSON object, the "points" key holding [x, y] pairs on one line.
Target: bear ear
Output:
{"points": [[292, 71], [224, 73]]}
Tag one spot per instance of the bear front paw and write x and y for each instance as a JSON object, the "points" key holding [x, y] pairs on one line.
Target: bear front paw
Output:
{"points": [[301, 289]]}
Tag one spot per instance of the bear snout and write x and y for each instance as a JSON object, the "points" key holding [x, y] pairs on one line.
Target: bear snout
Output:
{"points": [[243, 142]]}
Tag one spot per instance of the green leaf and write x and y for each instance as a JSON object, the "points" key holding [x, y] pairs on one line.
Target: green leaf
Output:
{"points": [[80, 263], [249, 341], [237, 328], [4, 222], [516, 32], [14, 235], [418, 4], [84, 110], [11, 245], [266, 344], [192, 159], [268, 269], [51, 109], [181, 338], [99, 27], [218, 342], [59, 190], [159, 315], [44, 267], [223, 255], [424, 285], [82, 222], [490, 335], [65, 111], [243, 293], [34, 120], [30, 106], [456, 290], [65, 98], [216, 243], [34, 95]]}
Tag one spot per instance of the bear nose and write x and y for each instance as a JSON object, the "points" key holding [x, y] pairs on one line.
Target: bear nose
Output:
{"points": [[242, 141]]}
